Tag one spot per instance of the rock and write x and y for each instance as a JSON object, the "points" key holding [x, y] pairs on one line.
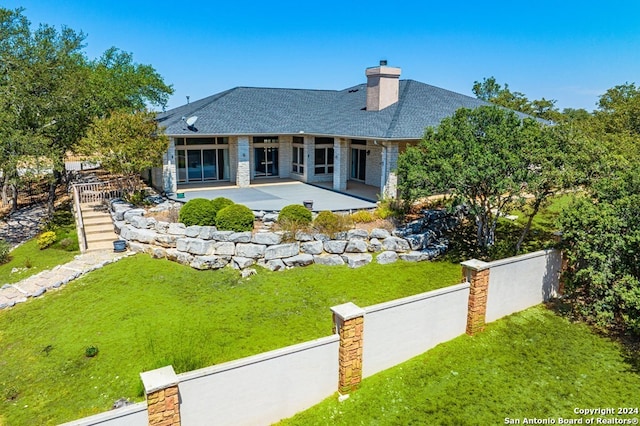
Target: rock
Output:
{"points": [[209, 262], [176, 229], [246, 273], [299, 260], [242, 262], [240, 237], [321, 237], [387, 257], [412, 256], [275, 265], [131, 213], [221, 235], [356, 245], [303, 236], [334, 246], [357, 233], [267, 238], [270, 217], [328, 259], [224, 248], [395, 244], [139, 222], [311, 247], [251, 250], [356, 260], [280, 251], [192, 231], [379, 233], [195, 246], [374, 245], [162, 227], [167, 240], [207, 232], [146, 236], [158, 252], [179, 256], [120, 209]]}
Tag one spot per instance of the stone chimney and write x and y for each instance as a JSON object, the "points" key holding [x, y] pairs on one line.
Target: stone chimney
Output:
{"points": [[382, 86]]}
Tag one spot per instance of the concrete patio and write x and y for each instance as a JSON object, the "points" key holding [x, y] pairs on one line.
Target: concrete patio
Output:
{"points": [[274, 195]]}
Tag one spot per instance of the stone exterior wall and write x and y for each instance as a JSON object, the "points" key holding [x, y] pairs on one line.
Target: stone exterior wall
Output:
{"points": [[205, 247]]}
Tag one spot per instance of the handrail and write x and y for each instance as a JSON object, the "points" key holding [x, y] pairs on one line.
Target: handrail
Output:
{"points": [[79, 222], [92, 192]]}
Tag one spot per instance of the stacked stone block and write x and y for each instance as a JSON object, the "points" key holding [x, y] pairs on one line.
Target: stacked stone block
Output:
{"points": [[477, 274], [349, 324]]}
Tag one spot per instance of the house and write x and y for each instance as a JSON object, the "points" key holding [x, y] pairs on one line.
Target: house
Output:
{"points": [[325, 137]]}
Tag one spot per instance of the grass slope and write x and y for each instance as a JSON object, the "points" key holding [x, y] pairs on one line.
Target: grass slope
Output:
{"points": [[144, 313], [533, 364], [29, 259]]}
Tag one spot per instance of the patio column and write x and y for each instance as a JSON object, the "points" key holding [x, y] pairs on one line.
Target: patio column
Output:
{"points": [[340, 164], [169, 171], [163, 400], [243, 173], [476, 273], [389, 181], [348, 320]]}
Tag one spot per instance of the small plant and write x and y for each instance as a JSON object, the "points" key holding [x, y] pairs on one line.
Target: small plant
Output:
{"points": [[27, 263], [235, 217], [362, 216], [391, 207], [295, 213], [11, 394], [91, 351], [5, 249], [330, 223], [198, 211], [66, 243], [137, 198], [46, 239], [220, 203]]}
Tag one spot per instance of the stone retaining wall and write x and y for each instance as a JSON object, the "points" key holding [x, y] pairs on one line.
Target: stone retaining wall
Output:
{"points": [[205, 247]]}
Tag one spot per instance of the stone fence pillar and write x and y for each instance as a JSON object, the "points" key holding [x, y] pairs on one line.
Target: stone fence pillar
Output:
{"points": [[348, 320], [476, 273], [163, 400]]}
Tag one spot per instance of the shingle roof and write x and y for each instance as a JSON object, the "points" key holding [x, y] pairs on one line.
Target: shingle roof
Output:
{"points": [[269, 111]]}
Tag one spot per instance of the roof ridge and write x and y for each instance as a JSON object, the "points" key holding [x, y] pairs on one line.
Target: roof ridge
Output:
{"points": [[396, 114]]}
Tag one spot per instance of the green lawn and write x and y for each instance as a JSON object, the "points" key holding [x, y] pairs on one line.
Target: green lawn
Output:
{"points": [[28, 259], [533, 364], [144, 313]]}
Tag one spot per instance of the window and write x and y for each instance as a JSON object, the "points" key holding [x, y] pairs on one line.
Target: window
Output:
{"points": [[323, 160], [265, 139], [297, 160]]}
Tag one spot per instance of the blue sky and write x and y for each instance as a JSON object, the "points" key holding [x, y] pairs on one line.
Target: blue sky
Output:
{"points": [[570, 51]]}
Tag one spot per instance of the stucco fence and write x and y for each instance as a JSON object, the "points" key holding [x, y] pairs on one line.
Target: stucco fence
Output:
{"points": [[268, 387], [205, 247]]}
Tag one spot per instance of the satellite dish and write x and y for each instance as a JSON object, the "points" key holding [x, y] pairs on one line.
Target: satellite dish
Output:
{"points": [[192, 120]]}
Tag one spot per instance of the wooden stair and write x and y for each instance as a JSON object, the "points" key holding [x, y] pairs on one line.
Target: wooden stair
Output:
{"points": [[98, 226]]}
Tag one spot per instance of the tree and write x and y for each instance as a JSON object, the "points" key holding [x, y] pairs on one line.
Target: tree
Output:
{"points": [[50, 92], [475, 155], [125, 143], [491, 91]]}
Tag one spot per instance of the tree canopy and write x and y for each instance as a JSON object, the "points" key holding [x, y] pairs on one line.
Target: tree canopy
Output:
{"points": [[50, 92]]}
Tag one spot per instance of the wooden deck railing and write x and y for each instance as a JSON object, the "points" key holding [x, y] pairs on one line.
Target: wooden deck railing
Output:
{"points": [[93, 192]]}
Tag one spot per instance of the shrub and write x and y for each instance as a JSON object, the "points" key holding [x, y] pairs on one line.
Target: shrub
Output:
{"points": [[5, 248], [235, 217], [362, 216], [220, 203], [46, 239], [91, 351], [295, 213], [330, 223], [198, 211]]}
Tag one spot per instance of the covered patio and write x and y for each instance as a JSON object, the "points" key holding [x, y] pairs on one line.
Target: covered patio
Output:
{"points": [[273, 195]]}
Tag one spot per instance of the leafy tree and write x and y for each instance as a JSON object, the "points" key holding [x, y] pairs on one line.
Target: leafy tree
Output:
{"points": [[491, 91], [125, 143], [477, 156], [50, 93]]}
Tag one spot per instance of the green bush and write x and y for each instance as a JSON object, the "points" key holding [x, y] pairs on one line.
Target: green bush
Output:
{"points": [[46, 239], [295, 213], [235, 217], [330, 223], [198, 211], [5, 248], [220, 203], [362, 216]]}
